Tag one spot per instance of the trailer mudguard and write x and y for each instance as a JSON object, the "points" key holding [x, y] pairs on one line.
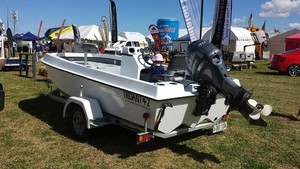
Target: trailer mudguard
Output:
{"points": [[90, 107]]}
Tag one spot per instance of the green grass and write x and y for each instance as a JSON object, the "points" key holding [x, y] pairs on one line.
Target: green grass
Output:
{"points": [[33, 133]]}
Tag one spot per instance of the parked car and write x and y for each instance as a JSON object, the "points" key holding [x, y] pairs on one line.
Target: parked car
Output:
{"points": [[287, 62]]}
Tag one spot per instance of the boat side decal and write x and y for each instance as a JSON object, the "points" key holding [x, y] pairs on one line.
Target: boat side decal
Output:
{"points": [[137, 99]]}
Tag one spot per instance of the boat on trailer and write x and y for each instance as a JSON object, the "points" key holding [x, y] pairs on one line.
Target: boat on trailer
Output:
{"points": [[194, 93]]}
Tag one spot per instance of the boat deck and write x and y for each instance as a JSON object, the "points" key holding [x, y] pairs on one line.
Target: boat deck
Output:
{"points": [[104, 67]]}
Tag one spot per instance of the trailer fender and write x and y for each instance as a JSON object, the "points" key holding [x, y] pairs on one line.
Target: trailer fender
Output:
{"points": [[90, 107]]}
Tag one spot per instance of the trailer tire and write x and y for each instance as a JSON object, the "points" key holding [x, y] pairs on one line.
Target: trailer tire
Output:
{"points": [[78, 121]]}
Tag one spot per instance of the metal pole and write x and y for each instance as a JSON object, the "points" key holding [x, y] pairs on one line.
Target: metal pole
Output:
{"points": [[34, 59], [14, 27], [2, 46]]}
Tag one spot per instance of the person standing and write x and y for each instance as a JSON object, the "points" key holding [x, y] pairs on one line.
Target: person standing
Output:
{"points": [[6, 48], [30, 47], [38, 49], [14, 48]]}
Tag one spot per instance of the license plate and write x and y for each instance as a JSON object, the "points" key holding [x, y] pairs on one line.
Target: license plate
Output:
{"points": [[219, 127]]}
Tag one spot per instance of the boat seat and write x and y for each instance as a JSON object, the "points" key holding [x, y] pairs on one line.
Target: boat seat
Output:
{"points": [[176, 68], [175, 71]]}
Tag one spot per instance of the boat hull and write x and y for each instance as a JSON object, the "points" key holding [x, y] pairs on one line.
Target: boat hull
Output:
{"points": [[129, 98]]}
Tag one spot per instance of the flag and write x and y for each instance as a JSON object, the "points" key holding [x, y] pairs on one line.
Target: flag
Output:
{"points": [[191, 13], [227, 23], [60, 30], [155, 35], [264, 26], [102, 35], [40, 27], [9, 41], [105, 29], [76, 33], [113, 22], [250, 21], [221, 21]]}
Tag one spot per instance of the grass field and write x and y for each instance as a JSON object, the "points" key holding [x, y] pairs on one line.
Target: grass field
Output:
{"points": [[33, 133]]}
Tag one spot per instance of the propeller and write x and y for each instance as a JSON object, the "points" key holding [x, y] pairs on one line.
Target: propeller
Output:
{"points": [[259, 109], [267, 110]]}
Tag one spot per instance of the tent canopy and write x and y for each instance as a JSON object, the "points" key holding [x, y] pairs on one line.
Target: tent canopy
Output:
{"points": [[18, 36], [292, 42], [53, 32], [293, 38], [88, 32], [133, 36], [29, 37], [25, 37], [63, 31], [237, 33]]}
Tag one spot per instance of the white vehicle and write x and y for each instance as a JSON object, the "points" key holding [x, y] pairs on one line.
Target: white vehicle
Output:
{"points": [[127, 40], [122, 47], [195, 92]]}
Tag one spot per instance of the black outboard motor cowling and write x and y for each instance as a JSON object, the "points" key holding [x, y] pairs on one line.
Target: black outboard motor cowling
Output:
{"points": [[205, 65]]}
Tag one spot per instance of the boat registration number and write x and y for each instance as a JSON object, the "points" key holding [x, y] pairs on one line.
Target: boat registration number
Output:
{"points": [[219, 127], [137, 99]]}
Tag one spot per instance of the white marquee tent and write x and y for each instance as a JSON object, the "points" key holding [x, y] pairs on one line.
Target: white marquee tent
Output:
{"points": [[87, 32]]}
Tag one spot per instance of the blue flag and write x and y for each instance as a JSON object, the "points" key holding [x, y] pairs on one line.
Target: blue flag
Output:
{"points": [[191, 13]]}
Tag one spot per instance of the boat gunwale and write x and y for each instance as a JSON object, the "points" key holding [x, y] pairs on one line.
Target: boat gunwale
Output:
{"points": [[117, 87]]}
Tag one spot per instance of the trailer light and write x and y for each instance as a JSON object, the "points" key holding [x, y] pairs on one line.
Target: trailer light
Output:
{"points": [[226, 117], [146, 116], [143, 137]]}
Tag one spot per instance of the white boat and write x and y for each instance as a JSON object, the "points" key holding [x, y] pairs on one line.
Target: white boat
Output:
{"points": [[195, 93]]}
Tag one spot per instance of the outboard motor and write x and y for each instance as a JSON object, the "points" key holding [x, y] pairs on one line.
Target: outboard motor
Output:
{"points": [[205, 65]]}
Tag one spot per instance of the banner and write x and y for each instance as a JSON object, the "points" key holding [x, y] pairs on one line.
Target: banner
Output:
{"points": [[60, 31], [76, 33], [102, 35], [227, 23], [250, 21], [105, 29], [40, 27], [113, 22], [191, 13], [9, 42], [221, 23], [264, 26], [155, 35]]}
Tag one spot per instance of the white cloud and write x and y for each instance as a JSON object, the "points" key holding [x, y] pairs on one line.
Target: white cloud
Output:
{"points": [[294, 25], [239, 20], [280, 8], [273, 14]]}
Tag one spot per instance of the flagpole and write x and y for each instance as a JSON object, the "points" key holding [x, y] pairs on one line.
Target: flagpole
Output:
{"points": [[201, 18]]}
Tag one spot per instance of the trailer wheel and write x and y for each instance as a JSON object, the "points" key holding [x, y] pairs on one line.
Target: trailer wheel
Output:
{"points": [[78, 122]]}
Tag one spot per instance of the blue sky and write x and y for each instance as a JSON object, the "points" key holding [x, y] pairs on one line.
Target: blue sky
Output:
{"points": [[137, 15]]}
